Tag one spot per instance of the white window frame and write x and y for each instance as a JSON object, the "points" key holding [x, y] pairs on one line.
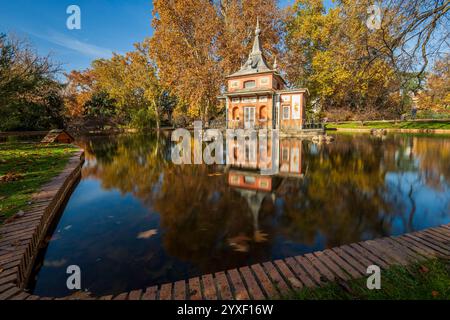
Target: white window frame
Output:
{"points": [[263, 99], [235, 84], [250, 81], [289, 114]]}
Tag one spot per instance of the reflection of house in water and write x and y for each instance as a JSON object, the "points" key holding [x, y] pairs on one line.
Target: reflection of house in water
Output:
{"points": [[245, 175]]}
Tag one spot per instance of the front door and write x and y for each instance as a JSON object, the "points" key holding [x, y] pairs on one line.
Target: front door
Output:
{"points": [[249, 117]]}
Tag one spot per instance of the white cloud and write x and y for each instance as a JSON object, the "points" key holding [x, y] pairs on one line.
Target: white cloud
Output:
{"points": [[67, 42]]}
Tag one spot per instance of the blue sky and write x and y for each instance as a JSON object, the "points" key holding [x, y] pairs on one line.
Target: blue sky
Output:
{"points": [[107, 26]]}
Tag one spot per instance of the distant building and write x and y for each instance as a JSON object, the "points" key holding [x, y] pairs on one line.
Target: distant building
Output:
{"points": [[257, 96]]}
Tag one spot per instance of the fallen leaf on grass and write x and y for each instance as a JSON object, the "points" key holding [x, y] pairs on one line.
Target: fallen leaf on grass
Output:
{"points": [[10, 177], [424, 269], [147, 234], [435, 294]]}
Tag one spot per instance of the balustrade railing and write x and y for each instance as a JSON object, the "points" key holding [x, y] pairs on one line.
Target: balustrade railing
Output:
{"points": [[240, 124], [258, 124]]}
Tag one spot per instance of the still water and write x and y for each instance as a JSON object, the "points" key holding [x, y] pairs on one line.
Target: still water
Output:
{"points": [[136, 219]]}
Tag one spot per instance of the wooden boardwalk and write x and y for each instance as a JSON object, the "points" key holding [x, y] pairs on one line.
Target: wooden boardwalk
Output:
{"points": [[21, 238]]}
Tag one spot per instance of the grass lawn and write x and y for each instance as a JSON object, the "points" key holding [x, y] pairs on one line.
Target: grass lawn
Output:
{"points": [[391, 125], [24, 168], [428, 280]]}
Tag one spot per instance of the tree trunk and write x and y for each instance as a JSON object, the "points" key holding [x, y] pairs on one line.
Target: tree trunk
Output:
{"points": [[205, 114], [158, 120]]}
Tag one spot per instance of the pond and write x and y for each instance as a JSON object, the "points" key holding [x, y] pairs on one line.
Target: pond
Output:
{"points": [[136, 219]]}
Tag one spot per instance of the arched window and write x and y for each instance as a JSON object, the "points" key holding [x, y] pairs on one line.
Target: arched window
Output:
{"points": [[235, 113], [250, 84], [263, 113]]}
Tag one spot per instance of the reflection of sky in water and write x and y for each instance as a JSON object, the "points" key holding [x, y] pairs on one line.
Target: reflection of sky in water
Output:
{"points": [[422, 205], [132, 222]]}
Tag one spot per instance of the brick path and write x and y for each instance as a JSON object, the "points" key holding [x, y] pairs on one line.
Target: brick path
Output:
{"points": [[20, 240]]}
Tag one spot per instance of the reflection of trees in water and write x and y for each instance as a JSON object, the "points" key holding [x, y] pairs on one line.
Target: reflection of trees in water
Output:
{"points": [[421, 162], [200, 217], [340, 197], [434, 157], [344, 196], [131, 164]]}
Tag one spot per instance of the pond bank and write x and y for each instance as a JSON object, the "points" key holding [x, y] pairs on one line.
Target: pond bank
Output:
{"points": [[439, 126], [390, 130], [22, 236]]}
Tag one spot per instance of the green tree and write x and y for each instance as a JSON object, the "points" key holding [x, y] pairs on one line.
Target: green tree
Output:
{"points": [[30, 96]]}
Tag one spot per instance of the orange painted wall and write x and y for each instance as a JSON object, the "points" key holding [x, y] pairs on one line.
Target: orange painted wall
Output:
{"points": [[257, 105], [292, 122], [240, 180], [256, 78]]}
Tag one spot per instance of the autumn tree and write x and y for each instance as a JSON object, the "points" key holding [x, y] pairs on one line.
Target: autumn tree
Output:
{"points": [[184, 51], [413, 33], [237, 25], [349, 66], [125, 88], [436, 94], [79, 90], [327, 53], [197, 43]]}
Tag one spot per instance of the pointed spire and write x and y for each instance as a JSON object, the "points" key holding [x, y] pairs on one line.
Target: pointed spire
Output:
{"points": [[256, 61], [256, 44], [258, 29]]}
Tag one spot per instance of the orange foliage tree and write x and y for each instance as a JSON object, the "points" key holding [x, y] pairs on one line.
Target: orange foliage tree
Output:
{"points": [[79, 91], [196, 43]]}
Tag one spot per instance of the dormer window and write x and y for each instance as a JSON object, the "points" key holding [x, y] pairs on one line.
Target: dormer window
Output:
{"points": [[250, 84]]}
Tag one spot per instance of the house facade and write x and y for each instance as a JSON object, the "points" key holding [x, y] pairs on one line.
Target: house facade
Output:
{"points": [[257, 97]]}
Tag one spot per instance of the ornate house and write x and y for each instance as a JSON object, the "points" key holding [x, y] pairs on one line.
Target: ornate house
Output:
{"points": [[257, 96]]}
